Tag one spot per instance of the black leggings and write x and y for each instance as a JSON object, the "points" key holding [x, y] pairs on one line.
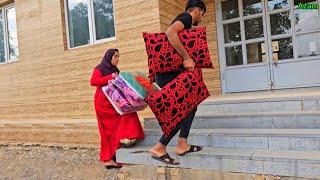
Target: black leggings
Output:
{"points": [[185, 124]]}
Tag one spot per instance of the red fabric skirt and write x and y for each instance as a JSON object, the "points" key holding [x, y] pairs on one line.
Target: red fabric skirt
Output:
{"points": [[113, 127]]}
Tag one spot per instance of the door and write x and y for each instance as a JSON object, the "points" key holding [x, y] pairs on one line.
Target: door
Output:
{"points": [[268, 44]]}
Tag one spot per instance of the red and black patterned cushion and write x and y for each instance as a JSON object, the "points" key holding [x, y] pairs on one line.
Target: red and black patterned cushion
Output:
{"points": [[162, 57], [176, 99]]}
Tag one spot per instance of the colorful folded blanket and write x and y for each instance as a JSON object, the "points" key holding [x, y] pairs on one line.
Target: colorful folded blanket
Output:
{"points": [[126, 92], [139, 82]]}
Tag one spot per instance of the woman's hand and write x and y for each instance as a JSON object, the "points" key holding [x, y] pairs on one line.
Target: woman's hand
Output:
{"points": [[114, 75]]}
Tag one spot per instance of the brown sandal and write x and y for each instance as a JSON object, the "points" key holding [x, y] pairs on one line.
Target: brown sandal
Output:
{"points": [[192, 149], [165, 159]]}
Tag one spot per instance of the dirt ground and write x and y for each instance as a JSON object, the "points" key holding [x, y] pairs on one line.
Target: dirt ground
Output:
{"points": [[35, 162]]}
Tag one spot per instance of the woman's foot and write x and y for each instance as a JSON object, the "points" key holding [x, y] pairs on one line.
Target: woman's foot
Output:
{"points": [[128, 142]]}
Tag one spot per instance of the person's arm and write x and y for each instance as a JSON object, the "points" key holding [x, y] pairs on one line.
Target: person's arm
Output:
{"points": [[172, 34], [98, 80]]}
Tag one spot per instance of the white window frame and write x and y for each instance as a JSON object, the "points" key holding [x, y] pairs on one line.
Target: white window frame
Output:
{"points": [[6, 34], [92, 28]]}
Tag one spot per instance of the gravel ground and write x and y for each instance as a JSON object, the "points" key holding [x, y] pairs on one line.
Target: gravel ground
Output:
{"points": [[36, 162]]}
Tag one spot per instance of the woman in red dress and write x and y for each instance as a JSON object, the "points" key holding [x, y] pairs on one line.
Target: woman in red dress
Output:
{"points": [[113, 128]]}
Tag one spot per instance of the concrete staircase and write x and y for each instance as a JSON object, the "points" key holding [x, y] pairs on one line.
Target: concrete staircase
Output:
{"points": [[277, 136]]}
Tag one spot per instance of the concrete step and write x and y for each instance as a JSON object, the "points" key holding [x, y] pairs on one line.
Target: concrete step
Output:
{"points": [[256, 161], [258, 105], [277, 139], [142, 172], [285, 120]]}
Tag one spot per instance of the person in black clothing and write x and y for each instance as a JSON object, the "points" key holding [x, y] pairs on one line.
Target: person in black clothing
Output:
{"points": [[194, 11]]}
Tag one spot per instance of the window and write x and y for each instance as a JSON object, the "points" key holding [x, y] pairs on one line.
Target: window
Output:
{"points": [[307, 29], [243, 31], [89, 21], [8, 35]]}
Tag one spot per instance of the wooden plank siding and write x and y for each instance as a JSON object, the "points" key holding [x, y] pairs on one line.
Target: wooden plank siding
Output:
{"points": [[51, 81]]}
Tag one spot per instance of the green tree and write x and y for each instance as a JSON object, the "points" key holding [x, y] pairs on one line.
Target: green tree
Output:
{"points": [[79, 25], [104, 18]]}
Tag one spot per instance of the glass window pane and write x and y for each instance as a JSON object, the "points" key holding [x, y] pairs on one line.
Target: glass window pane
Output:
{"points": [[282, 48], [255, 52], [230, 9], [104, 20], [2, 49], [78, 22], [278, 4], [232, 32], [254, 28], [12, 34], [306, 19], [280, 23], [251, 7], [234, 55], [309, 45]]}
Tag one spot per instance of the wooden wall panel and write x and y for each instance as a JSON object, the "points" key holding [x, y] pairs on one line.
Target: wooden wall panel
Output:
{"points": [[169, 10]]}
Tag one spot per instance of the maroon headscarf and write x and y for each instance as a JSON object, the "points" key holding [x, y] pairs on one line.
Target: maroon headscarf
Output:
{"points": [[105, 66]]}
